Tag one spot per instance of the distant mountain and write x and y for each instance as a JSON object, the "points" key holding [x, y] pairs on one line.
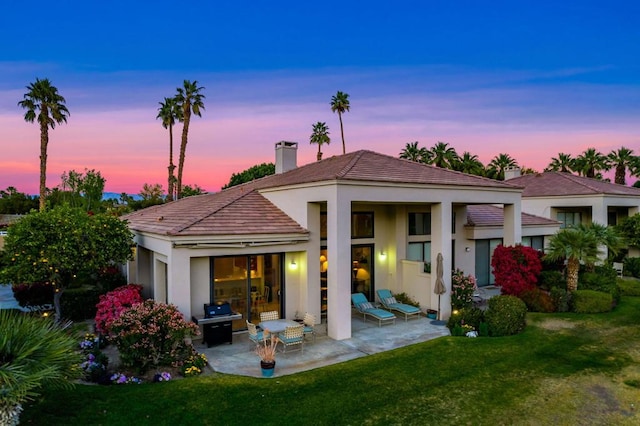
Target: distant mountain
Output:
{"points": [[116, 195]]}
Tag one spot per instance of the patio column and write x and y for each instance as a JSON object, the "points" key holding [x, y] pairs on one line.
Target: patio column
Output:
{"points": [[339, 271], [179, 281], [310, 293], [441, 223], [512, 224]]}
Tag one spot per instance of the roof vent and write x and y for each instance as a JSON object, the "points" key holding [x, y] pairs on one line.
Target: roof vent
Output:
{"points": [[286, 156]]}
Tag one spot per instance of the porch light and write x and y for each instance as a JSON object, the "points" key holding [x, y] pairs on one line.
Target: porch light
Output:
{"points": [[293, 265], [383, 255]]}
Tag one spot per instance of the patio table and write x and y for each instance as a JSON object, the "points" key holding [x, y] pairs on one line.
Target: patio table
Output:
{"points": [[277, 326]]}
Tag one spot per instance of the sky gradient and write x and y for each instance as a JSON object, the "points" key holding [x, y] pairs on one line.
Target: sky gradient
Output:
{"points": [[530, 79]]}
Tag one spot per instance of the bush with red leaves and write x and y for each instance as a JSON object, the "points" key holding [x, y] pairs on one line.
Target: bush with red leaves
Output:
{"points": [[516, 268]]}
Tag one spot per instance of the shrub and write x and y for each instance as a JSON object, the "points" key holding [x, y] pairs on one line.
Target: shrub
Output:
{"points": [[561, 299], [33, 294], [151, 334], [516, 268], [629, 288], [112, 304], [80, 303], [604, 278], [193, 365], [469, 316], [505, 315], [110, 278], [405, 298], [538, 301], [591, 301], [462, 289], [632, 267], [551, 279]]}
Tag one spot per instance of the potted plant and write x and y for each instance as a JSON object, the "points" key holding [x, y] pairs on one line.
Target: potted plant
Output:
{"points": [[267, 353]]}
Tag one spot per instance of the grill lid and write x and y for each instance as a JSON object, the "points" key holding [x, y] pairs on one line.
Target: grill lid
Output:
{"points": [[217, 309]]}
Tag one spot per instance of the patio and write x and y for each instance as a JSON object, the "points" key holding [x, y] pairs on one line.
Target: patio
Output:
{"points": [[367, 338]]}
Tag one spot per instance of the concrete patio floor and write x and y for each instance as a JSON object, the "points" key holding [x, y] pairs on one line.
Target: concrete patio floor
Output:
{"points": [[367, 338]]}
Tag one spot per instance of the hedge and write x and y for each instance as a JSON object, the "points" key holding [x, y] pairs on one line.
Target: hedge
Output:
{"points": [[591, 301]]}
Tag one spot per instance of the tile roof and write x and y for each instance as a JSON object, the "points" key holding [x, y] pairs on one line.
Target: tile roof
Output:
{"points": [[549, 184], [241, 210], [488, 215]]}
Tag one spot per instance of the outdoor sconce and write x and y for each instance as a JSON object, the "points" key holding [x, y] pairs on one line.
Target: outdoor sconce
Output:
{"points": [[293, 265], [383, 255], [467, 249]]}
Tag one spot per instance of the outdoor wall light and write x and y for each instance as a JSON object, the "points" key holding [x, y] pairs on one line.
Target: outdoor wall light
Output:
{"points": [[293, 265], [383, 255], [467, 249]]}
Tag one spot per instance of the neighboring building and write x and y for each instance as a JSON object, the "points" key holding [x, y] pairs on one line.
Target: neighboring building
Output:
{"points": [[304, 239]]}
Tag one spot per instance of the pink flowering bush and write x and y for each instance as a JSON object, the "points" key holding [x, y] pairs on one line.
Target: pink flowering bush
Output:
{"points": [[112, 304], [152, 334], [462, 289]]}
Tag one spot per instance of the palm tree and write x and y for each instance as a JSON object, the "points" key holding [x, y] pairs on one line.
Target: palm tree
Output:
{"points": [[562, 163], [606, 236], [499, 164], [590, 162], [320, 135], [43, 102], [169, 112], [412, 152], [575, 245], [35, 352], [621, 160], [469, 164], [340, 104], [443, 156], [189, 100]]}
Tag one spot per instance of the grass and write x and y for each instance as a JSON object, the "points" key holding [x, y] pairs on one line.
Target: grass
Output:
{"points": [[564, 369]]}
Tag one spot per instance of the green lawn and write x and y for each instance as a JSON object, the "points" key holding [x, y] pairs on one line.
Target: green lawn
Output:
{"points": [[564, 369]]}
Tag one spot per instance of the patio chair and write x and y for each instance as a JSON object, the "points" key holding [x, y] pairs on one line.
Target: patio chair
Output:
{"points": [[363, 306], [309, 322], [261, 299], [292, 336], [269, 316], [389, 302], [255, 335]]}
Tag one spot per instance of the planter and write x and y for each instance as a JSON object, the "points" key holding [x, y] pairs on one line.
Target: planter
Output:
{"points": [[267, 368], [432, 313]]}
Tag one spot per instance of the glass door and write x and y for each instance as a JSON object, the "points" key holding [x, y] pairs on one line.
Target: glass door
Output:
{"points": [[362, 271]]}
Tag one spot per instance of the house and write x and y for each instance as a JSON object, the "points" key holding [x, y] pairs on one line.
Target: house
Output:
{"points": [[304, 239], [572, 199]]}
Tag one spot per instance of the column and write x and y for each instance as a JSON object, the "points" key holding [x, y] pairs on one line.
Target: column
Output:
{"points": [[441, 219]]}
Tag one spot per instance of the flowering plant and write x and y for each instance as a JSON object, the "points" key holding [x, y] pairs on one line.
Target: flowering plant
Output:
{"points": [[462, 289], [90, 342], [162, 377], [112, 304], [193, 365], [121, 379]]}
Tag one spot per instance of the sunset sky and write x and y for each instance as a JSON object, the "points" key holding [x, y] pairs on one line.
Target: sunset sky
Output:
{"points": [[526, 78]]}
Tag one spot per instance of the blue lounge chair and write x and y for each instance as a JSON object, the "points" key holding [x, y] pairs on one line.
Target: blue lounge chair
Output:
{"points": [[389, 302], [363, 306]]}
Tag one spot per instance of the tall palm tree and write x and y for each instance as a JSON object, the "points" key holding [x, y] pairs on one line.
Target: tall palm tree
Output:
{"points": [[469, 164], [320, 135], [340, 104], [413, 152], [43, 102], [606, 236], [562, 163], [190, 100], [169, 113], [443, 156], [575, 245], [499, 163], [590, 162], [621, 160]]}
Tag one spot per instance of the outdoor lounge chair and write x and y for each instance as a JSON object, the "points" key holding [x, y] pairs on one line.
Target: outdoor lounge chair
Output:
{"points": [[366, 308], [389, 302]]}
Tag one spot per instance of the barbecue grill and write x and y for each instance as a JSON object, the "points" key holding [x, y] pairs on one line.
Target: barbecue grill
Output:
{"points": [[216, 323]]}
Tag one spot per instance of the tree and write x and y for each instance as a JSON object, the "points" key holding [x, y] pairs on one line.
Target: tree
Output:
{"points": [[44, 103], [621, 160], [607, 236], [14, 202], [499, 164], [340, 104], [469, 164], [190, 100], [252, 173], [413, 152], [575, 245], [590, 162], [629, 228], [443, 156], [169, 113], [60, 244], [190, 191], [84, 190], [562, 163], [151, 195], [320, 136], [34, 352]]}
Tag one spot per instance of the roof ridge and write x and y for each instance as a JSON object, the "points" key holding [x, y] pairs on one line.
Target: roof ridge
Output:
{"points": [[351, 164], [581, 180]]}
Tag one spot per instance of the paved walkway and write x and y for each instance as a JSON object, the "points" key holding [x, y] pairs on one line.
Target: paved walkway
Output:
{"points": [[367, 338]]}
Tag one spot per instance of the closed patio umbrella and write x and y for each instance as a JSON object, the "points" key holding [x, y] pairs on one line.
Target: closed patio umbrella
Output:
{"points": [[439, 288]]}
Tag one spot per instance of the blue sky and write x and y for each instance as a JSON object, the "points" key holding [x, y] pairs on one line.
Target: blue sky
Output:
{"points": [[528, 78]]}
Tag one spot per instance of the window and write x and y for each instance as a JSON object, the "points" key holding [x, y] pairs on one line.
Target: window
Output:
{"points": [[569, 219], [536, 242], [362, 225], [484, 254], [419, 251], [419, 223]]}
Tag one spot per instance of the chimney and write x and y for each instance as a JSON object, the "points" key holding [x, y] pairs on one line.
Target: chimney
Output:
{"points": [[511, 172], [286, 156]]}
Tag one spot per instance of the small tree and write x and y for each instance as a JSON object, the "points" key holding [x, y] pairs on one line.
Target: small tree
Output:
{"points": [[516, 268], [252, 173], [575, 245], [56, 246]]}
